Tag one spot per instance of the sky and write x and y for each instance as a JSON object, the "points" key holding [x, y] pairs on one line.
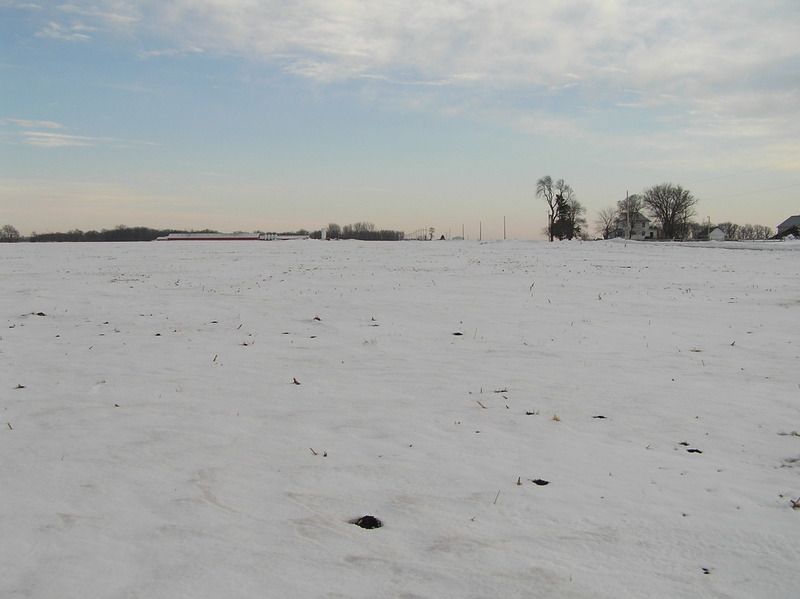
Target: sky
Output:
{"points": [[279, 115]]}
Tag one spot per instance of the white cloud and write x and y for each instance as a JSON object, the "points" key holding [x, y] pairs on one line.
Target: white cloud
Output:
{"points": [[714, 66], [94, 13], [47, 139], [41, 134], [57, 140], [665, 46], [33, 124], [73, 33], [686, 48]]}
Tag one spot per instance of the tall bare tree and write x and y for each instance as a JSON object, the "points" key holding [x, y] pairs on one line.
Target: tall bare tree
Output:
{"points": [[672, 206], [559, 197], [545, 190]]}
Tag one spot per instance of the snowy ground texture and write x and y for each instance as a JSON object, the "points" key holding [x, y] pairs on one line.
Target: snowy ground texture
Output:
{"points": [[204, 419]]}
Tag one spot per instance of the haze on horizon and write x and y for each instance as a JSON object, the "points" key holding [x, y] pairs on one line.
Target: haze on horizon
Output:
{"points": [[278, 115]]}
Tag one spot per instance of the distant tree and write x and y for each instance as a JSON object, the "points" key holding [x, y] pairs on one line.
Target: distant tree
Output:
{"points": [[764, 232], [747, 232], [750, 232], [118, 234], [9, 234], [672, 206], [363, 228], [577, 211], [604, 224], [559, 198], [334, 231], [544, 190], [731, 230], [367, 232], [569, 216]]}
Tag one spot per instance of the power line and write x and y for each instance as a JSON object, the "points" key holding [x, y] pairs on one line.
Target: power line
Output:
{"points": [[744, 193], [752, 170]]}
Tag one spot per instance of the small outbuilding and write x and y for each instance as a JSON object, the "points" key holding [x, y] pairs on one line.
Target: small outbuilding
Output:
{"points": [[716, 234], [710, 234]]}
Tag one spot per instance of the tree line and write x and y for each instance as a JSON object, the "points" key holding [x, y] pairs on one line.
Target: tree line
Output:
{"points": [[746, 232], [118, 234], [362, 230]]}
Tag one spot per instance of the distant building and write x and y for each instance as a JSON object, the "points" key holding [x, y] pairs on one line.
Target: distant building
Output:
{"points": [[708, 233], [634, 226], [212, 237], [793, 222], [716, 234]]}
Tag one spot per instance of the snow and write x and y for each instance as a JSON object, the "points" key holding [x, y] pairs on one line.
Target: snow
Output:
{"points": [[155, 443]]}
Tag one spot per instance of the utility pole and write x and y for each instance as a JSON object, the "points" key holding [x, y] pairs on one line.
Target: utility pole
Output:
{"points": [[628, 216]]}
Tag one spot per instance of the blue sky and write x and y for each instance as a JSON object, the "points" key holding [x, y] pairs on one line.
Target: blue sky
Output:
{"points": [[276, 115]]}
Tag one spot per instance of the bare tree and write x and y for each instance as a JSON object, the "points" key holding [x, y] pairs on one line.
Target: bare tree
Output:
{"points": [[672, 206], [9, 234], [544, 189], [577, 210], [560, 199], [747, 232], [564, 190], [764, 231], [750, 232], [731, 230], [334, 231], [604, 224]]}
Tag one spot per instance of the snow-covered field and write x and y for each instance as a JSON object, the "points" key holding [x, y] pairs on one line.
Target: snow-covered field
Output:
{"points": [[203, 420]]}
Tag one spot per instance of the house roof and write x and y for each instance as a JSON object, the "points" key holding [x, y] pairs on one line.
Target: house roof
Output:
{"points": [[790, 222], [635, 217], [709, 230]]}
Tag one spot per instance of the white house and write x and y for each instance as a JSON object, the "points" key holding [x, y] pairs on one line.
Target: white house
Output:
{"points": [[638, 226]]}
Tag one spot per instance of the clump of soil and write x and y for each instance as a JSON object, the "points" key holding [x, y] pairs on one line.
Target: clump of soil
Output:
{"points": [[368, 522]]}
